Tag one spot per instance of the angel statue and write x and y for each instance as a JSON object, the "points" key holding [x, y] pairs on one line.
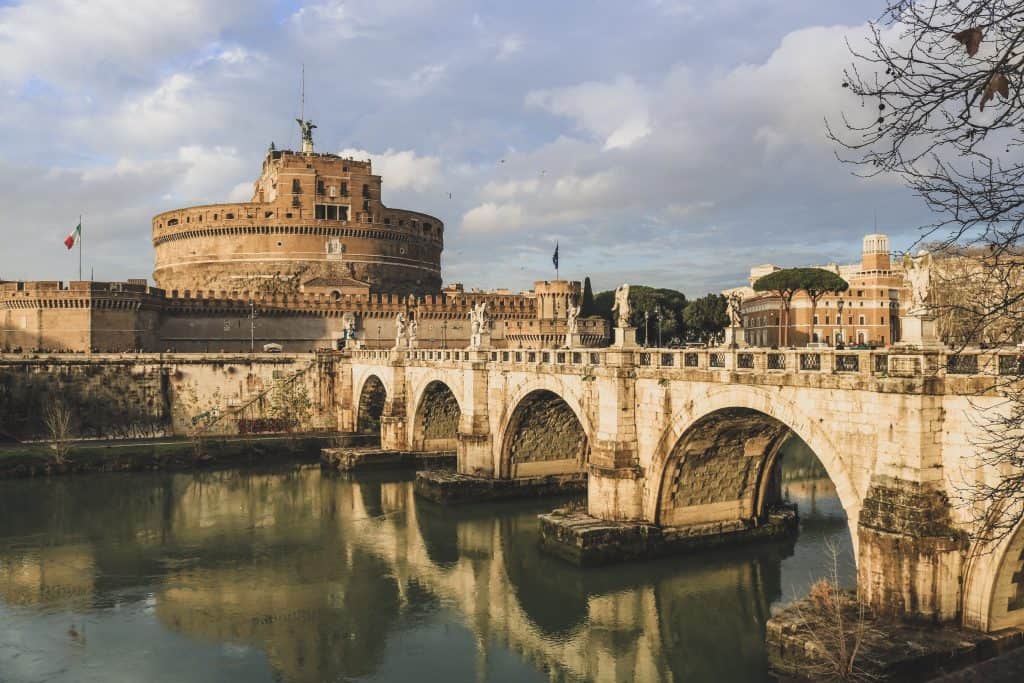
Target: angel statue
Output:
{"points": [[413, 329], [919, 273], [478, 324], [400, 323], [307, 130], [622, 304], [572, 324]]}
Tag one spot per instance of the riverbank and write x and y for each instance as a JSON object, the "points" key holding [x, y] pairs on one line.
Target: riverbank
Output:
{"points": [[170, 454]]}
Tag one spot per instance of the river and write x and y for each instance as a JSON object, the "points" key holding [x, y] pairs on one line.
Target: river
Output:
{"points": [[290, 575]]}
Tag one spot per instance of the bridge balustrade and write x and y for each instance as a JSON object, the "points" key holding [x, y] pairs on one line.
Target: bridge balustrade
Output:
{"points": [[745, 361], [847, 362], [962, 365], [716, 359], [810, 361]]}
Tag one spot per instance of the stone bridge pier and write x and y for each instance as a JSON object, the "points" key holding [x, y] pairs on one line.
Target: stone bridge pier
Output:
{"points": [[680, 450]]}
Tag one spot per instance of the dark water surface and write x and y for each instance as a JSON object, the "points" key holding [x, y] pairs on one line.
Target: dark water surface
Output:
{"points": [[288, 575]]}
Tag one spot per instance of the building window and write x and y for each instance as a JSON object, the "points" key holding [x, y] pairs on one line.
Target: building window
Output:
{"points": [[815, 322], [861, 320], [319, 211], [387, 221], [826, 319], [366, 190], [296, 186], [319, 187], [366, 205], [172, 222], [344, 188], [883, 321]]}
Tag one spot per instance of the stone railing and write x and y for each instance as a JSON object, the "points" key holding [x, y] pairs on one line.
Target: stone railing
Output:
{"points": [[877, 363]]}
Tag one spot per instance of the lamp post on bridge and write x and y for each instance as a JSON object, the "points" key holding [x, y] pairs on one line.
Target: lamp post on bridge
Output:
{"points": [[444, 333], [647, 329], [842, 335], [657, 317]]}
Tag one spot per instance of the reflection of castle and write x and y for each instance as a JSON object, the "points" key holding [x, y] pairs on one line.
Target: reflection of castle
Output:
{"points": [[314, 243]]}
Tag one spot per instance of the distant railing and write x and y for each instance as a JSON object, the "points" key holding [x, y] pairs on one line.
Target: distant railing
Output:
{"points": [[882, 364]]}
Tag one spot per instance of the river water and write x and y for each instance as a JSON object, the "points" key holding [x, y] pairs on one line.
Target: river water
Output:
{"points": [[290, 575]]}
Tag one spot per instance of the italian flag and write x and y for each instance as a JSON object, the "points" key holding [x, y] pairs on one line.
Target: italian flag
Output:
{"points": [[75, 235]]}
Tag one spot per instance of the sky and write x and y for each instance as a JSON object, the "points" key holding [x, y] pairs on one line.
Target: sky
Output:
{"points": [[673, 143]]}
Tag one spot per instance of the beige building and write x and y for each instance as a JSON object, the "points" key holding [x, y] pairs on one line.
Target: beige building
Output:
{"points": [[866, 314], [315, 251]]}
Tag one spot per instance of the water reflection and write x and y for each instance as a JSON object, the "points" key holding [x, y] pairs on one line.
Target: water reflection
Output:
{"points": [[287, 575]]}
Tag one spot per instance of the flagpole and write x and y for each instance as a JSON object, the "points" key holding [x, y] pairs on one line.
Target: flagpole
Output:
{"points": [[79, 247]]}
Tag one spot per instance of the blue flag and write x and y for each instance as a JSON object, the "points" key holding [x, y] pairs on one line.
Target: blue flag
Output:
{"points": [[554, 259]]}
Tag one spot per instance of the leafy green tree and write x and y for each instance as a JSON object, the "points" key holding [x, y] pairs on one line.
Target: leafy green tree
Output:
{"points": [[785, 283], [663, 305], [817, 282], [587, 304], [706, 317]]}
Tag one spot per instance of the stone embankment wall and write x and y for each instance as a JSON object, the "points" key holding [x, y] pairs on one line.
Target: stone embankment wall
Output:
{"points": [[123, 396]]}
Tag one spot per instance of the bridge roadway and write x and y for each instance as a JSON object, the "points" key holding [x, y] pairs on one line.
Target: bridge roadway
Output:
{"points": [[681, 439]]}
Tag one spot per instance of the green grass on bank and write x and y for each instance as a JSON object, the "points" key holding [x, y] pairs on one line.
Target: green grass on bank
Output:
{"points": [[171, 453]]}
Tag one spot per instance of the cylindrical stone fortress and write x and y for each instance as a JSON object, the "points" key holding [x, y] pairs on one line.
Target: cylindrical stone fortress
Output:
{"points": [[313, 218]]}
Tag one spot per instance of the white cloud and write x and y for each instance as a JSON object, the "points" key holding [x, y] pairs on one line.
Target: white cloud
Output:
{"points": [[68, 42], [615, 111], [491, 218], [402, 169], [509, 46], [416, 84]]}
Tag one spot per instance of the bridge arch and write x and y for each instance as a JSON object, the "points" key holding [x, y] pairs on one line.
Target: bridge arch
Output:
{"points": [[545, 432], [1005, 584], [435, 423], [372, 394], [750, 425]]}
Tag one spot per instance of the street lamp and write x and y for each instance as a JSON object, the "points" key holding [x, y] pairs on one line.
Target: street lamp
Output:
{"points": [[647, 333], [839, 306], [657, 316]]}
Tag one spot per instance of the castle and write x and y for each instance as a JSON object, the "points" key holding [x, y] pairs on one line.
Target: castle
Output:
{"points": [[313, 258]]}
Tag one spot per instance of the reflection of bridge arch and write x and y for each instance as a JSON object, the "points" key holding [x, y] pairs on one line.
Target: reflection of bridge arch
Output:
{"points": [[544, 434], [730, 442], [435, 423], [372, 395]]}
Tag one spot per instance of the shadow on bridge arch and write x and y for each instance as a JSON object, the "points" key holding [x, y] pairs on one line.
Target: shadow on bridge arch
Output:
{"points": [[1004, 587], [436, 421], [372, 397], [720, 461], [543, 436]]}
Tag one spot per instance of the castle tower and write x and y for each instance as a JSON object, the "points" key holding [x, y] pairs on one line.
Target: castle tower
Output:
{"points": [[315, 222], [875, 254], [554, 298]]}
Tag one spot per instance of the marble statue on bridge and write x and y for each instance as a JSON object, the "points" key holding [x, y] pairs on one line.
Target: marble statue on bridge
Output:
{"points": [[413, 329], [572, 326], [400, 330], [919, 271], [622, 305], [479, 326]]}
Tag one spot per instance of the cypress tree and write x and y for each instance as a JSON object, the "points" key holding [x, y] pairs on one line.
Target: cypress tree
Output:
{"points": [[587, 305]]}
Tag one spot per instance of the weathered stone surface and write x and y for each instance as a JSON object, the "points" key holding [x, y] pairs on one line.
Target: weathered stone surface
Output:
{"points": [[587, 541], [889, 650], [360, 459], [453, 488]]}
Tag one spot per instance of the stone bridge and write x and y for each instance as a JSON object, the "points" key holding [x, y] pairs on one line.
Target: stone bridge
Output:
{"points": [[686, 441]]}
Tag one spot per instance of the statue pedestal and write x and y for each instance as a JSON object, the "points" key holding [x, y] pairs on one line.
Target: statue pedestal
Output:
{"points": [[482, 341], [573, 341], [734, 337], [918, 331], [625, 338]]}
